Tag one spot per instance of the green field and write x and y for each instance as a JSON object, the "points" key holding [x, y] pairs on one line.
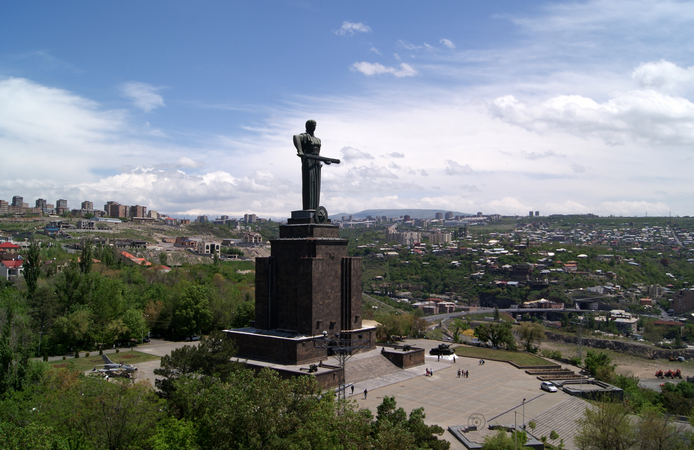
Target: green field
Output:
{"points": [[125, 357], [520, 358], [240, 265]]}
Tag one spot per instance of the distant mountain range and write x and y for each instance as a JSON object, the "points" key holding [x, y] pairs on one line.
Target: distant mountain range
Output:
{"points": [[414, 213]]}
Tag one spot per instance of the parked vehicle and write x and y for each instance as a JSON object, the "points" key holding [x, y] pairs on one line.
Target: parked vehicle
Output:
{"points": [[548, 386]]}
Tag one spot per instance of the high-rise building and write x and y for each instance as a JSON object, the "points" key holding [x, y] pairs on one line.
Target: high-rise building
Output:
{"points": [[138, 211], [18, 201], [249, 218], [530, 214], [449, 215], [537, 213], [115, 209], [439, 216], [61, 203], [89, 206], [41, 203]]}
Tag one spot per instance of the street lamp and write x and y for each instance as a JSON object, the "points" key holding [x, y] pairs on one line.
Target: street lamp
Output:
{"points": [[343, 346], [523, 414]]}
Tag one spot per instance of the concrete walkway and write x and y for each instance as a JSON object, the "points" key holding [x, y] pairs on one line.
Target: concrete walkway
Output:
{"points": [[493, 389]]}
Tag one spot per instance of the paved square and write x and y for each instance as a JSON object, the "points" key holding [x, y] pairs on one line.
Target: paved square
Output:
{"points": [[493, 389]]}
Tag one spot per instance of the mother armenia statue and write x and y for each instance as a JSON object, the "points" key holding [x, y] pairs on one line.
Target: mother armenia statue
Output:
{"points": [[308, 149]]}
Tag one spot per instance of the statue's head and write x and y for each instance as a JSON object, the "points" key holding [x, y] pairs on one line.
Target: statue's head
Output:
{"points": [[310, 125]]}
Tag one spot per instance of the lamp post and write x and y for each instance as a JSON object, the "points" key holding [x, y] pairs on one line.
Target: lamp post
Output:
{"points": [[523, 414], [515, 430], [343, 346]]}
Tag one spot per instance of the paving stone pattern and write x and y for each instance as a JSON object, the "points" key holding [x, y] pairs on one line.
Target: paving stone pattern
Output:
{"points": [[562, 419]]}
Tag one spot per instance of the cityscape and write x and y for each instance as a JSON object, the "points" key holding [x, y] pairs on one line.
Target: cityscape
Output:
{"points": [[367, 225]]}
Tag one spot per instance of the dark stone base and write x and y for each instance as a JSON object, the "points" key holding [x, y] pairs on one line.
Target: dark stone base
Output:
{"points": [[282, 348], [327, 376], [303, 216], [404, 359]]}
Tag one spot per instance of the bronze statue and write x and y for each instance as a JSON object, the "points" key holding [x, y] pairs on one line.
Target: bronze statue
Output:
{"points": [[308, 149]]}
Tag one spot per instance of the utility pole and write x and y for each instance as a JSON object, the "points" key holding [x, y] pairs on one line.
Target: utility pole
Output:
{"points": [[524, 414]]}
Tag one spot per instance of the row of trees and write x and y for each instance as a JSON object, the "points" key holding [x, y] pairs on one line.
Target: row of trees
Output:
{"points": [[207, 402]]}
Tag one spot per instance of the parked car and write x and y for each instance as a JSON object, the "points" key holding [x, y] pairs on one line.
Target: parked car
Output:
{"points": [[548, 386], [192, 338]]}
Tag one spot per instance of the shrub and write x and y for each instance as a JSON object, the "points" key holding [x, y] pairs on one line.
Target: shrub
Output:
{"points": [[117, 350], [101, 352], [576, 361], [86, 355], [77, 354], [64, 358]]}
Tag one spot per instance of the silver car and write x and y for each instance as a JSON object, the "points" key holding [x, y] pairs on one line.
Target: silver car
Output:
{"points": [[548, 386]]}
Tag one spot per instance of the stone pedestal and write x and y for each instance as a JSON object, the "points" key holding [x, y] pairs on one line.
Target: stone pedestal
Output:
{"points": [[306, 287]]}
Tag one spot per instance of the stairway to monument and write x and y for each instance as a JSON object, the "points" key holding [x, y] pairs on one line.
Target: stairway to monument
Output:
{"points": [[562, 419], [367, 368]]}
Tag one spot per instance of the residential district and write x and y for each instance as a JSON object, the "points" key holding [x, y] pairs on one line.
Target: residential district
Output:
{"points": [[501, 328]]}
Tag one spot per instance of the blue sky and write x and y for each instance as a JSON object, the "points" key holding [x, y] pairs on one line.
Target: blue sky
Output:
{"points": [[500, 107]]}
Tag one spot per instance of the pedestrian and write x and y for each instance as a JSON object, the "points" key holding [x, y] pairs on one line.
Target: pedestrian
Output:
{"points": [[438, 357], [458, 373], [365, 393], [352, 389], [453, 359]]}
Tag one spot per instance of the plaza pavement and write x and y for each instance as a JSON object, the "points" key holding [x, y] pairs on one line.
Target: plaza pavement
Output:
{"points": [[496, 390]]}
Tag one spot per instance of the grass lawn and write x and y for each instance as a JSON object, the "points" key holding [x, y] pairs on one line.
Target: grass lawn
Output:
{"points": [[520, 358], [125, 357], [240, 265]]}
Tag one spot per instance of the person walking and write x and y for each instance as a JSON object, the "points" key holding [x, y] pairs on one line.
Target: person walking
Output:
{"points": [[366, 392], [352, 389], [458, 373]]}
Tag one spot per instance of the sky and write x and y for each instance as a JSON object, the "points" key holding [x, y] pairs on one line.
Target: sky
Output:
{"points": [[189, 108]]}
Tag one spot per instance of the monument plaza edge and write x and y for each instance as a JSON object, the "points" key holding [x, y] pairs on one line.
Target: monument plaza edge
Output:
{"points": [[308, 292]]}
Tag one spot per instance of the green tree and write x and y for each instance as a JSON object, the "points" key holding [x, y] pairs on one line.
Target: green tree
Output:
{"points": [[423, 436], [192, 314], [31, 436], [32, 267], [16, 341], [504, 441], [599, 365], [498, 334], [605, 427], [211, 357], [163, 258], [531, 333], [86, 257], [657, 431], [245, 313]]}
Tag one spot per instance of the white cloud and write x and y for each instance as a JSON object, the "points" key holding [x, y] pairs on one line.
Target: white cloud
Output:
{"points": [[394, 155], [375, 50], [644, 115], [349, 28], [189, 163], [143, 95], [369, 69], [664, 76], [408, 46], [533, 156], [577, 168], [447, 43], [453, 168], [350, 154], [396, 56]]}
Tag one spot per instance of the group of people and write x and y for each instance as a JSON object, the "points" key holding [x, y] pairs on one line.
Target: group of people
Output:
{"points": [[481, 362], [463, 373], [428, 372]]}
